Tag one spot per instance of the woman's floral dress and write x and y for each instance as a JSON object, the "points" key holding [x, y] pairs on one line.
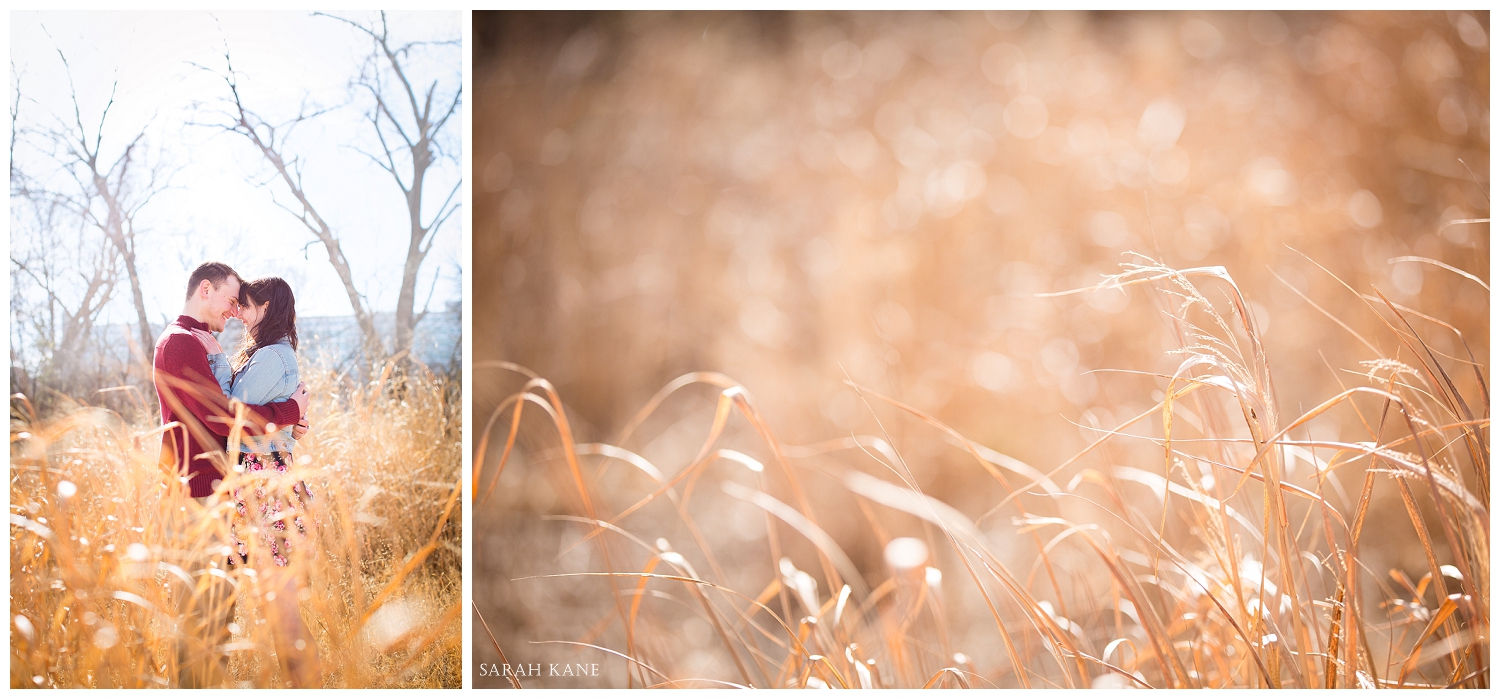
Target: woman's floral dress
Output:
{"points": [[281, 521]]}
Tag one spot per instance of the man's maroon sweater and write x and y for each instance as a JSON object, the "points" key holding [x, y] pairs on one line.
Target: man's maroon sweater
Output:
{"points": [[188, 393]]}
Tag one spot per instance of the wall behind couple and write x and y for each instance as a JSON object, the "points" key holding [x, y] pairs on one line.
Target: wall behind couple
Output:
{"points": [[284, 143]]}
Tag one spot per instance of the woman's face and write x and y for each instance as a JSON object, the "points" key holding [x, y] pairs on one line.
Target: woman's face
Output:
{"points": [[252, 313]]}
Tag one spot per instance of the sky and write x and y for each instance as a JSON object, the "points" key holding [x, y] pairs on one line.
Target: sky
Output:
{"points": [[166, 70]]}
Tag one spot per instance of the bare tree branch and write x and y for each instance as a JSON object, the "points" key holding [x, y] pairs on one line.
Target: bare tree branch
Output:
{"points": [[408, 150], [264, 136], [444, 212], [108, 196]]}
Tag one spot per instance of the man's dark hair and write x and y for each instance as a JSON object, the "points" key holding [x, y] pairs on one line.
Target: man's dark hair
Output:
{"points": [[214, 272]]}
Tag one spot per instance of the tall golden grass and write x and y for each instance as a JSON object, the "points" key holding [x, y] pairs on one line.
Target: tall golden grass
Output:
{"points": [[108, 553], [1206, 542]]}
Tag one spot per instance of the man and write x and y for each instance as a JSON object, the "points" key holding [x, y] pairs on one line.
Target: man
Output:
{"points": [[190, 395], [188, 392]]}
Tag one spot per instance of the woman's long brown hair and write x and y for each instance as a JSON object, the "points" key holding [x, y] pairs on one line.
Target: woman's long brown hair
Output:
{"points": [[280, 320]]}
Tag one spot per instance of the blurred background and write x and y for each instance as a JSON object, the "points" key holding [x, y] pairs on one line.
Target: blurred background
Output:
{"points": [[797, 199]]}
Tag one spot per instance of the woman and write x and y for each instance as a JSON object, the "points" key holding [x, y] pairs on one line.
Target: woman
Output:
{"points": [[265, 371]]}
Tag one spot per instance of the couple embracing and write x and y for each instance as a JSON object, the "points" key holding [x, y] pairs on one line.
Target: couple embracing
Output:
{"points": [[254, 404]]}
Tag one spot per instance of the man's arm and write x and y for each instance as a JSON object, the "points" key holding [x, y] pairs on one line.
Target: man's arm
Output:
{"points": [[188, 376]]}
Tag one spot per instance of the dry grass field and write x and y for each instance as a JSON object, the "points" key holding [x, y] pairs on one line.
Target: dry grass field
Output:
{"points": [[1000, 349], [108, 554], [1235, 559]]}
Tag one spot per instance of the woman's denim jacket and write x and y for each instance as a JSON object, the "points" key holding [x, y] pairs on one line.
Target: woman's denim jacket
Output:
{"points": [[270, 376]]}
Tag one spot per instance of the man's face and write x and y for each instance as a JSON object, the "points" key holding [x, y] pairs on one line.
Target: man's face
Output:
{"points": [[223, 303]]}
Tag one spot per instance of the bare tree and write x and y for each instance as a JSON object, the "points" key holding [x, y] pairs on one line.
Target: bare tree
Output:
{"points": [[63, 275], [63, 272], [109, 193], [270, 140], [409, 128], [62, 278], [417, 122]]}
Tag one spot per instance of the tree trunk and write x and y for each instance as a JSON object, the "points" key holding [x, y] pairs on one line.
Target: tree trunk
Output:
{"points": [[374, 348], [147, 342], [406, 317], [114, 229]]}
